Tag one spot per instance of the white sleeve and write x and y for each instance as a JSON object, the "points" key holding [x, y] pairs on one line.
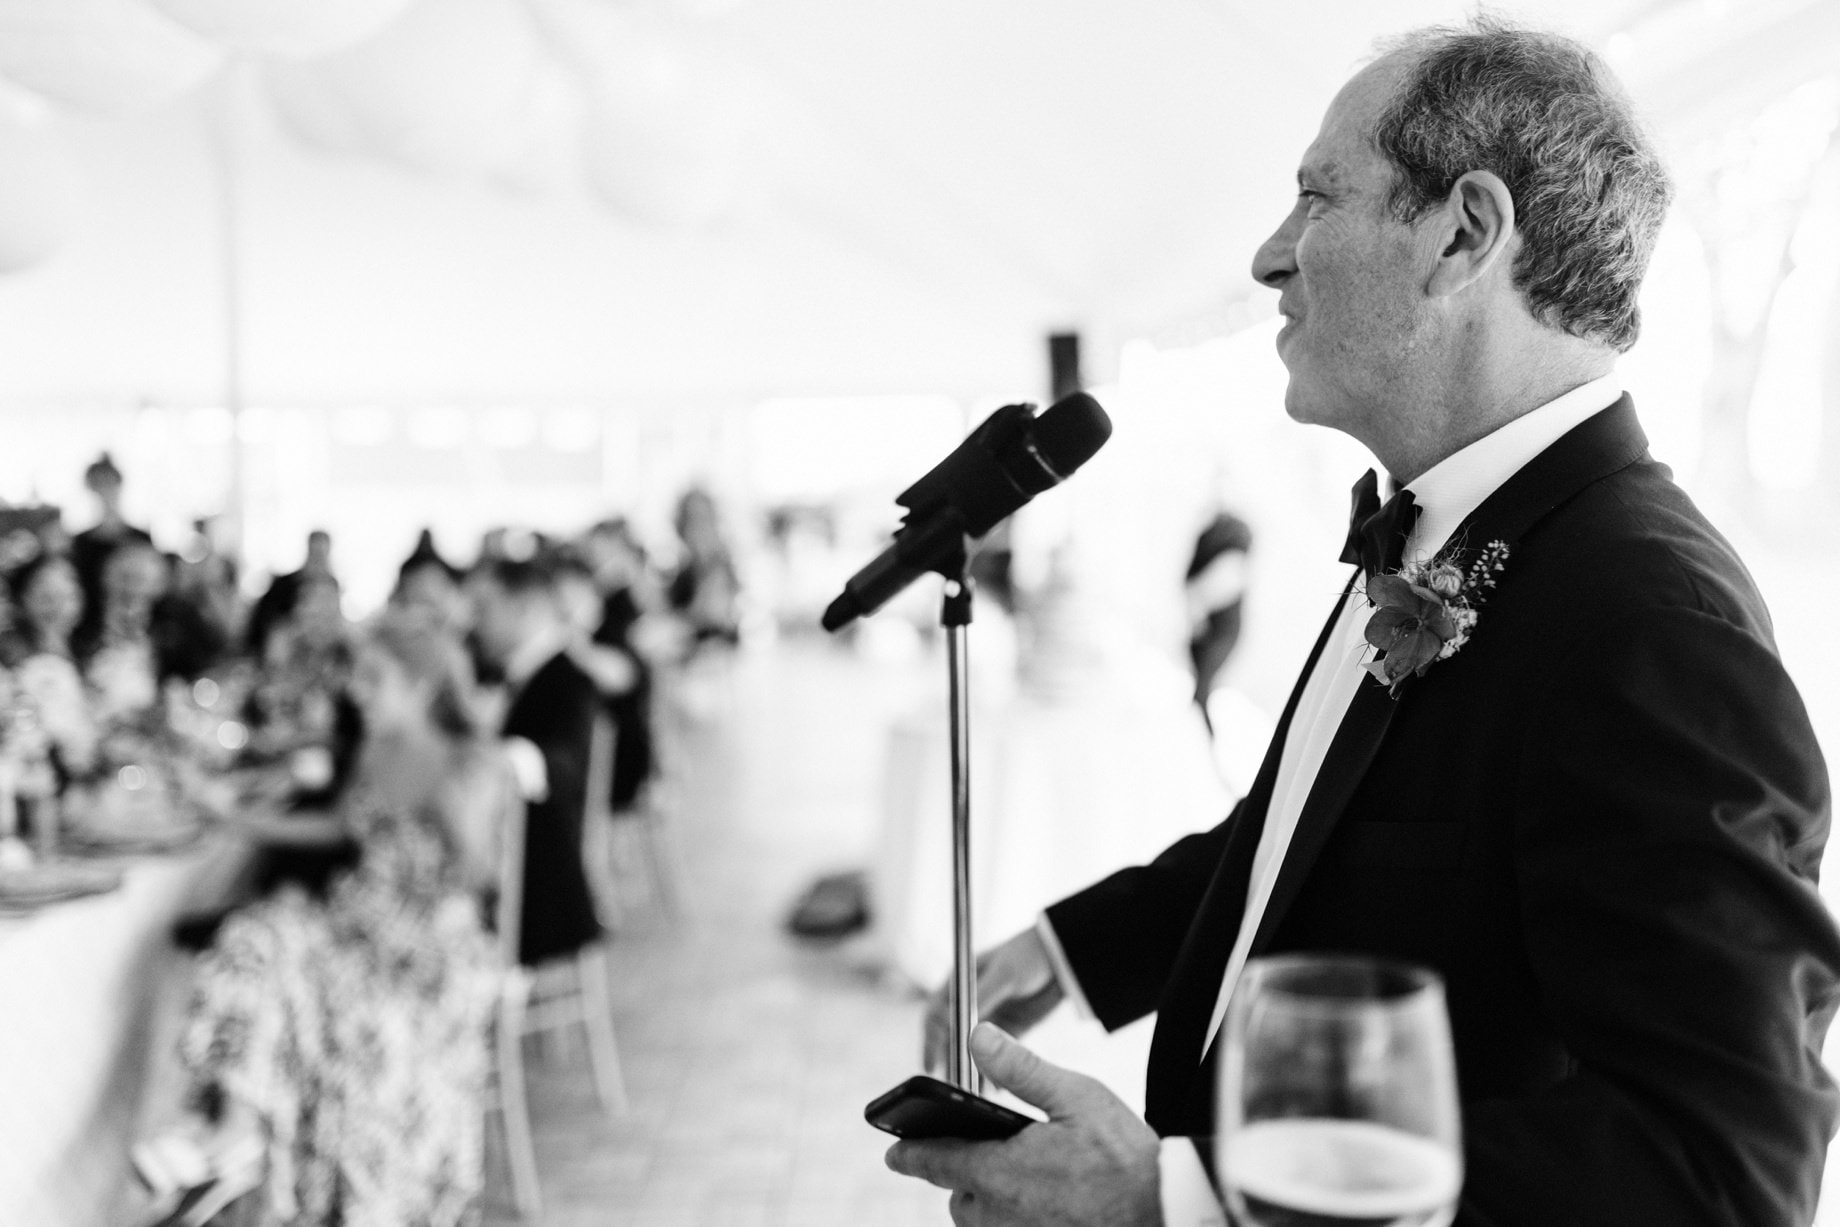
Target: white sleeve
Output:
{"points": [[1187, 1198], [1063, 970], [528, 767]]}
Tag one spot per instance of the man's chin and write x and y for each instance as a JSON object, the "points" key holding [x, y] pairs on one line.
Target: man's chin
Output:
{"points": [[1298, 405]]}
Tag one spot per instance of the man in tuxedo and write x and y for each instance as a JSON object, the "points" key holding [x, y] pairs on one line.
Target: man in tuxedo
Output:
{"points": [[1600, 818], [548, 725]]}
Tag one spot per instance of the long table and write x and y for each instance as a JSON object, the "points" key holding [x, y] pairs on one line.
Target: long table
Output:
{"points": [[90, 993]]}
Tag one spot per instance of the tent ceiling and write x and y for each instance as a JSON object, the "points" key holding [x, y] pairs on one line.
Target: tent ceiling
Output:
{"points": [[932, 188]]}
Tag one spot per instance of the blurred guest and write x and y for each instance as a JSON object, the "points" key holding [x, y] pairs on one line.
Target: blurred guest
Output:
{"points": [[306, 741], [37, 648], [350, 1035], [144, 631], [192, 631], [518, 625], [115, 643], [429, 586], [494, 544], [613, 670], [1215, 588], [577, 597], [205, 578], [45, 606], [90, 549], [618, 565], [705, 587], [284, 590], [300, 699]]}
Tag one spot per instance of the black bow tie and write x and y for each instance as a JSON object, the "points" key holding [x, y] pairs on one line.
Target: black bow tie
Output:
{"points": [[1377, 534]]}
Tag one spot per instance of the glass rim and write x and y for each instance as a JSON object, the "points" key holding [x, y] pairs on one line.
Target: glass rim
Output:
{"points": [[1416, 981]]}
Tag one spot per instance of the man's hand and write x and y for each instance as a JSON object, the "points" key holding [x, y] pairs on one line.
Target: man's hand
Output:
{"points": [[1092, 1163], [1016, 989]]}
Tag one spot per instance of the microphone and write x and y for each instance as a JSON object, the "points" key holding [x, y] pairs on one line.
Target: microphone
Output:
{"points": [[1009, 459]]}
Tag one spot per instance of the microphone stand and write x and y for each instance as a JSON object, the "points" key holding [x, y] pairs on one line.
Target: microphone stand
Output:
{"points": [[924, 1106], [954, 617]]}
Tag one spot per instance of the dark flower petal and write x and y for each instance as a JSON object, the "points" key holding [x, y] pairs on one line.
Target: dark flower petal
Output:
{"points": [[1414, 651], [1387, 625], [1390, 590]]}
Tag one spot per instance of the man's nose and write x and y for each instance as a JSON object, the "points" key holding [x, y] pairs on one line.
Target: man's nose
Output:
{"points": [[1276, 258]]}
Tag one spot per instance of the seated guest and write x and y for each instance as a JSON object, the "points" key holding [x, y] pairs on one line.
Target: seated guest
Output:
{"points": [[617, 563], [196, 621], [350, 1034], [283, 592], [518, 626], [90, 549], [49, 600], [1544, 745], [429, 585], [614, 667], [115, 643], [306, 733], [301, 682]]}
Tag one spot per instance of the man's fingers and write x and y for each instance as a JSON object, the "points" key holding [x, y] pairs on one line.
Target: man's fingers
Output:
{"points": [[938, 1161], [1058, 1092]]}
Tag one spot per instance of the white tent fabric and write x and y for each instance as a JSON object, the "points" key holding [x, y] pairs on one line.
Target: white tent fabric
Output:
{"points": [[291, 28], [734, 200], [101, 57]]}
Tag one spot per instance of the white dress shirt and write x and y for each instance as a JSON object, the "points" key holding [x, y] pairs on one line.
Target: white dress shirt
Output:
{"points": [[1447, 493]]}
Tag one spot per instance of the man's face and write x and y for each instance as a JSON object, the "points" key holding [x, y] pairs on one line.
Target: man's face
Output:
{"points": [[1352, 278], [497, 616]]}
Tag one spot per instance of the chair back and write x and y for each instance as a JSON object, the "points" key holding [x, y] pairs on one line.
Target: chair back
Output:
{"points": [[508, 917], [601, 747]]}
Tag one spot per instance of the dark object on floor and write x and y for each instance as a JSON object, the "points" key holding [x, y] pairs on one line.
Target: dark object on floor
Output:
{"points": [[836, 905]]}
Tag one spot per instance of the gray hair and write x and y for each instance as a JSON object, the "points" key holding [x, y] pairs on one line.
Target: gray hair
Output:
{"points": [[1545, 114]]}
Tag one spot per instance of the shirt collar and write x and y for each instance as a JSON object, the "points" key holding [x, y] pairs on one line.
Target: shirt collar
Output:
{"points": [[1454, 487], [533, 654]]}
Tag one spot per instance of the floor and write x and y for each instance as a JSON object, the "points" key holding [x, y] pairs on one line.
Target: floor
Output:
{"points": [[748, 1056]]}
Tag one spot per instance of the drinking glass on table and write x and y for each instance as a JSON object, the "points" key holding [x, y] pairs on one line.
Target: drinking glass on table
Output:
{"points": [[1338, 1096]]}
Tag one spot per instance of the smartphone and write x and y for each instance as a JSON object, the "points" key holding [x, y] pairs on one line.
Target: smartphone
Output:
{"points": [[924, 1107]]}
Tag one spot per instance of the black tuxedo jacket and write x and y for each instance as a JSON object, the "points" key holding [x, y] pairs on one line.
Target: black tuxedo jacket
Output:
{"points": [[1601, 821], [555, 710]]}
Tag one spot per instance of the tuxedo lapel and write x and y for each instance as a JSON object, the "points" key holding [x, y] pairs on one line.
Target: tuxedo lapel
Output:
{"points": [[1183, 1015], [1595, 448], [1351, 752], [1592, 450]]}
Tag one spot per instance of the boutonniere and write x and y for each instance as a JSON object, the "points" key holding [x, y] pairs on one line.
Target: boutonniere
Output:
{"points": [[1426, 611]]}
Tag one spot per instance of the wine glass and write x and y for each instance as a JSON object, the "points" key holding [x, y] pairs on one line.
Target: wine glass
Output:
{"points": [[1338, 1096]]}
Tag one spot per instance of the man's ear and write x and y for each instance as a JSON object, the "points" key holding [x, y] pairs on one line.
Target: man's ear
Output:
{"points": [[1477, 230]]}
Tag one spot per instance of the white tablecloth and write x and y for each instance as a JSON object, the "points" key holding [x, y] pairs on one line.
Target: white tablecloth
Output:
{"points": [[86, 1004]]}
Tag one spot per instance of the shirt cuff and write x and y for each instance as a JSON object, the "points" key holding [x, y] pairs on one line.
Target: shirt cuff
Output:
{"points": [[1187, 1198], [1063, 970], [528, 767]]}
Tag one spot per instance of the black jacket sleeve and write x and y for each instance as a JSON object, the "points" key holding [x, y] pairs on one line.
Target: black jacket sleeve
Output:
{"points": [[1122, 934], [1668, 835]]}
